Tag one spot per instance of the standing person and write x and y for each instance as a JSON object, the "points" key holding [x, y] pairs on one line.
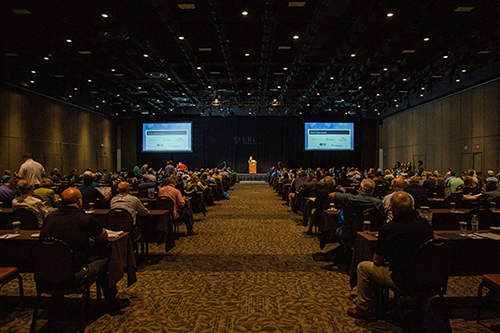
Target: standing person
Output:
{"points": [[170, 167], [31, 170], [75, 228], [181, 167], [137, 169], [146, 167]]}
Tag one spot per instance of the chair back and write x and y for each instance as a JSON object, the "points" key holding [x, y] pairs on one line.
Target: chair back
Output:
{"points": [[357, 222], [119, 219], [484, 215], [54, 267], [85, 204], [432, 266], [143, 193], [419, 202], [28, 219], [166, 203]]}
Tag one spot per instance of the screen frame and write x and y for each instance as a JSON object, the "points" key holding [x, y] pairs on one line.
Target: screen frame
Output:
{"points": [[166, 151], [329, 122]]}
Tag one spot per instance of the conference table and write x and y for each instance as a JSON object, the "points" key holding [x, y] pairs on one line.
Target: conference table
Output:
{"points": [[157, 226], [472, 255], [16, 252]]}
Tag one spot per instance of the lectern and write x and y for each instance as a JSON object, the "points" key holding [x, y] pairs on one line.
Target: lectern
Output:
{"points": [[252, 166]]}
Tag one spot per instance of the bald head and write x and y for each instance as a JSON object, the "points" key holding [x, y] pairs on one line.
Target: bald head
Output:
{"points": [[398, 184], [401, 202], [123, 187], [71, 197]]}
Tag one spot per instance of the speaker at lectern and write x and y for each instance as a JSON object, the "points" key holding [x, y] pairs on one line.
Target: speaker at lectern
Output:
{"points": [[252, 165]]}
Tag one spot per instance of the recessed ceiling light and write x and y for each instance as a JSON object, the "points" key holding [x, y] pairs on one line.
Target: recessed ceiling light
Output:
{"points": [[331, 78], [457, 80], [89, 80], [463, 9], [285, 68], [75, 89], [244, 13], [45, 58], [423, 88], [426, 39], [386, 69], [209, 87], [390, 14], [112, 69], [70, 96], [249, 78], [284, 47], [105, 15], [139, 88], [421, 95], [32, 81], [69, 41], [318, 94], [249, 94], [464, 70], [169, 79], [378, 95], [279, 87], [395, 100], [198, 67], [186, 6], [84, 52], [404, 79], [33, 72], [21, 11], [145, 55], [360, 87], [296, 37], [247, 54], [353, 55], [205, 49], [181, 37], [445, 57], [397, 105], [296, 4]]}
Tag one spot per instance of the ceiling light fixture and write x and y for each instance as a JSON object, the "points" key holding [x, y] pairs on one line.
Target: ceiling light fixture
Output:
{"points": [[285, 68], [331, 77], [112, 69], [390, 14], [145, 55], [89, 80], [353, 55], [426, 39], [198, 68], [69, 41], [249, 78], [244, 13], [45, 58], [296, 37], [181, 37], [105, 15], [33, 72], [247, 54], [445, 57], [32, 81], [464, 70], [386, 69], [457, 80]]}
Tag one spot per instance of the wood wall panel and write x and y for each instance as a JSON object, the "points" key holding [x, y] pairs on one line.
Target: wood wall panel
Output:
{"points": [[444, 127], [491, 118], [51, 131], [477, 121]]}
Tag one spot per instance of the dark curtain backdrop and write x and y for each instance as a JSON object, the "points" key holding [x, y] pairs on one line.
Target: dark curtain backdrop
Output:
{"points": [[268, 139]]}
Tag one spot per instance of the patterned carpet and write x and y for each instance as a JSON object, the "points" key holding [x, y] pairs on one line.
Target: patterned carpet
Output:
{"points": [[250, 269]]}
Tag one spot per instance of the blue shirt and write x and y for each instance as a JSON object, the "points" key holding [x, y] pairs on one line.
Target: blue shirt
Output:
{"points": [[6, 196]]}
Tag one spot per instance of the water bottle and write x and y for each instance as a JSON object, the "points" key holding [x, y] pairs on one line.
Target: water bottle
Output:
{"points": [[474, 224]]}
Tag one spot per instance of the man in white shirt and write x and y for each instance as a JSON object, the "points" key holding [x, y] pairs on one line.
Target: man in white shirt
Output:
{"points": [[128, 202], [31, 170]]}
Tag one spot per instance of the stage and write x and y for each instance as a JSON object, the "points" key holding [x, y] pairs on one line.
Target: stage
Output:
{"points": [[251, 176]]}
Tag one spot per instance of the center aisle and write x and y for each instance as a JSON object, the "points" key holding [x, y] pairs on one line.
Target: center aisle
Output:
{"points": [[249, 269]]}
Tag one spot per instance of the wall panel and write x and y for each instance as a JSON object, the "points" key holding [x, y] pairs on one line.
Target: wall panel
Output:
{"points": [[444, 127], [51, 131]]}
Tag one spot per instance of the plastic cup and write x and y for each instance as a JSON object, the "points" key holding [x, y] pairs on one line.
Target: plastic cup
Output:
{"points": [[452, 206], [463, 228], [366, 227], [16, 227]]}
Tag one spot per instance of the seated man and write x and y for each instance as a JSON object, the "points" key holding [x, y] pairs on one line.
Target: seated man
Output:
{"points": [[490, 194], [90, 193], [75, 228], [128, 202], [29, 202], [170, 191], [398, 184], [7, 193], [398, 242], [321, 195], [352, 205]]}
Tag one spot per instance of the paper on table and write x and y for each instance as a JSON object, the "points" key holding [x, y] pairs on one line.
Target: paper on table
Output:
{"points": [[35, 235], [491, 235], [114, 234], [7, 236]]}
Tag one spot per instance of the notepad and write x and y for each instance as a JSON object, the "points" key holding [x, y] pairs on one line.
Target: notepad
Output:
{"points": [[35, 235], [114, 234], [491, 235], [7, 236]]}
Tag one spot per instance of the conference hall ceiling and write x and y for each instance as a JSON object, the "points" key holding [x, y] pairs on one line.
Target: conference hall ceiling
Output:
{"points": [[155, 58]]}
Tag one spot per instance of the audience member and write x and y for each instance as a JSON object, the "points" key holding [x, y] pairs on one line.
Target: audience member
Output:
{"points": [[31, 170], [453, 182], [128, 202], [415, 189], [90, 193], [75, 228], [321, 196], [491, 177], [170, 191], [29, 202], [7, 193], [397, 244], [397, 185], [6, 175], [46, 193]]}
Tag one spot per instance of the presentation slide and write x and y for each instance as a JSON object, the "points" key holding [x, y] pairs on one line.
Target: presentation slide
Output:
{"points": [[166, 137], [329, 136]]}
